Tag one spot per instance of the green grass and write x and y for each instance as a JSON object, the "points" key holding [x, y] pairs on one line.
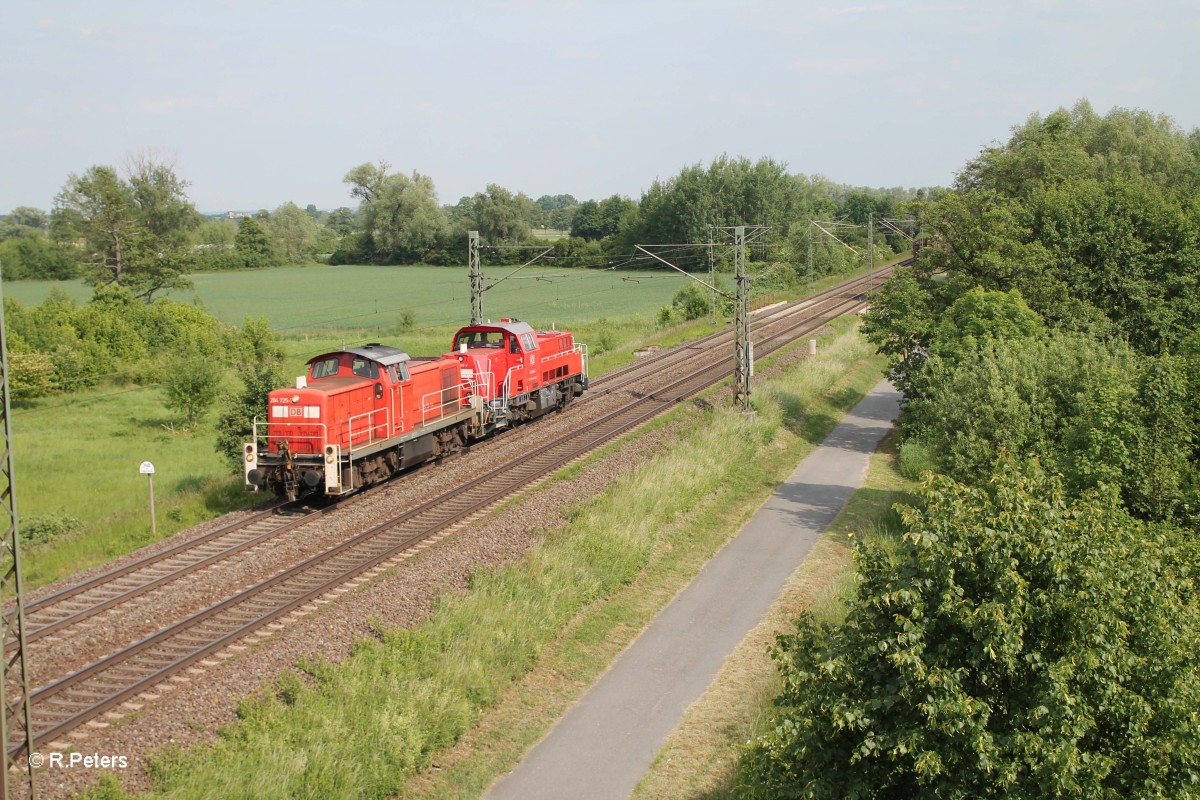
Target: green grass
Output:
{"points": [[81, 461], [363, 727], [323, 298]]}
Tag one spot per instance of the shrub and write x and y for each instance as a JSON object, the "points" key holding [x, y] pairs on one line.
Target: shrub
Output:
{"points": [[691, 302], [1013, 644], [48, 527]]}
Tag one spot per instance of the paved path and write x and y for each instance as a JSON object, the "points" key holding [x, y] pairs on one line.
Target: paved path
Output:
{"points": [[603, 745]]}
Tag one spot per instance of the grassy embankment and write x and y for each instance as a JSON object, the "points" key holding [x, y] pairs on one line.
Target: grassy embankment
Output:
{"points": [[77, 456], [487, 674]]}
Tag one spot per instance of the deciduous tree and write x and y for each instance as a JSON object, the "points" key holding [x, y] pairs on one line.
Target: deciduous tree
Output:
{"points": [[1012, 644]]}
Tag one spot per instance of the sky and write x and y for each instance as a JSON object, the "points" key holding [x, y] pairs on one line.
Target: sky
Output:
{"points": [[258, 103]]}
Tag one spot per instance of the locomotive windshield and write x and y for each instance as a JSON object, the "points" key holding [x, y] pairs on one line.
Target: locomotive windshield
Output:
{"points": [[325, 368], [333, 365], [479, 339]]}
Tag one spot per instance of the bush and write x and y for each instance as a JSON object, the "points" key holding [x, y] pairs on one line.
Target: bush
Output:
{"points": [[406, 321], [48, 527], [1013, 644], [691, 302]]}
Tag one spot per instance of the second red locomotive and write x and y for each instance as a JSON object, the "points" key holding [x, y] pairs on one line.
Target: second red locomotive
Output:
{"points": [[360, 415]]}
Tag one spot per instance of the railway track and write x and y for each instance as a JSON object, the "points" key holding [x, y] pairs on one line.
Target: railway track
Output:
{"points": [[80, 602], [134, 670]]}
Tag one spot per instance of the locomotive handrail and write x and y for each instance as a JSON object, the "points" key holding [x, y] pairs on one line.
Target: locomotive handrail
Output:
{"points": [[372, 425], [266, 437], [508, 385], [439, 405]]}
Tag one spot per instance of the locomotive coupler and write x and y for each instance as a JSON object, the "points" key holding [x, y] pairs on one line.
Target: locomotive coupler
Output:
{"points": [[287, 471]]}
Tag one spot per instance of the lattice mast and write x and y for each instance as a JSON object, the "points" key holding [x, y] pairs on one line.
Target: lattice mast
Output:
{"points": [[476, 277], [16, 723], [741, 322]]}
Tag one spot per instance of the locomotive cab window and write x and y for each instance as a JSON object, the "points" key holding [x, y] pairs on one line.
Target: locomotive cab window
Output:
{"points": [[527, 341], [325, 368], [365, 368], [479, 339], [513, 345]]}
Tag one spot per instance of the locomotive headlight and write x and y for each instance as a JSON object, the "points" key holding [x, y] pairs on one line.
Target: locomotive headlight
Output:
{"points": [[249, 458], [295, 398], [329, 458]]}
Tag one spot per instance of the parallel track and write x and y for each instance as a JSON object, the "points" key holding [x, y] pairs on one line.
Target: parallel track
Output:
{"points": [[77, 698]]}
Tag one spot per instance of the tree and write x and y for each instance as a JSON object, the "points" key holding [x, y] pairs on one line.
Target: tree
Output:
{"points": [[193, 383], [162, 204], [253, 245], [260, 370], [24, 221], [500, 216], [399, 216], [340, 221], [36, 257], [135, 231], [1012, 644], [294, 233], [596, 220], [98, 206], [1092, 218]]}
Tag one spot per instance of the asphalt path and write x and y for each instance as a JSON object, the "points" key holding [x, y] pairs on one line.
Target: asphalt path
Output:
{"points": [[604, 744]]}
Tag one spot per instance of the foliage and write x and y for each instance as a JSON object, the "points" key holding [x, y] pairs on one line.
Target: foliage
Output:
{"points": [[260, 370], [46, 528], [254, 245], [135, 230], [558, 211], [1093, 219], [193, 382], [36, 257], [1095, 411], [691, 302], [500, 216], [399, 218], [24, 221], [59, 346], [1014, 644], [294, 233], [596, 220]]}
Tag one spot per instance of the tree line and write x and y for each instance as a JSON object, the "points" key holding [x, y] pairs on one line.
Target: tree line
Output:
{"points": [[134, 226], [1032, 630]]}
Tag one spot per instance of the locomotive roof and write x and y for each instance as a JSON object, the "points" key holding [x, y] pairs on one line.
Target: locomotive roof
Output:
{"points": [[376, 352], [512, 326]]}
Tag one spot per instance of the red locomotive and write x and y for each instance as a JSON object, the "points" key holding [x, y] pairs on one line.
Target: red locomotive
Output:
{"points": [[361, 415]]}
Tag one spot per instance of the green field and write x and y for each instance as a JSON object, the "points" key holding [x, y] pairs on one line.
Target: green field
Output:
{"points": [[319, 297]]}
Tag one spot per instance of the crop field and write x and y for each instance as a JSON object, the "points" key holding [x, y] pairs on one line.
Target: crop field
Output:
{"points": [[319, 297]]}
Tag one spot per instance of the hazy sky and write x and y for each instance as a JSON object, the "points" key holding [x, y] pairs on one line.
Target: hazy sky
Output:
{"points": [[265, 102]]}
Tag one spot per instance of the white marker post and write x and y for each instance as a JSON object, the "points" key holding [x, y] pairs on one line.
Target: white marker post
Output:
{"points": [[147, 469]]}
